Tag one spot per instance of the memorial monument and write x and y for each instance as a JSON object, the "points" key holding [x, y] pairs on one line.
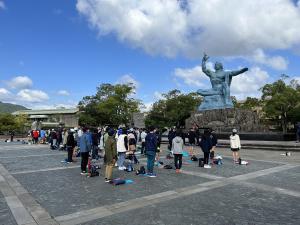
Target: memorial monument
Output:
{"points": [[218, 97], [216, 110]]}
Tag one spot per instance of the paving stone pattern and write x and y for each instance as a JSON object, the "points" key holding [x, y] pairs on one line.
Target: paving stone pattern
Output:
{"points": [[228, 205], [6, 216], [66, 191]]}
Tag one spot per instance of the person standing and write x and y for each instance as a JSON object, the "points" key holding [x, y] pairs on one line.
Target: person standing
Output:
{"points": [[95, 143], [143, 139], [122, 148], [214, 141], [132, 146], [70, 145], [151, 148], [177, 148], [206, 146], [110, 154], [192, 141], [65, 136], [158, 134], [235, 145], [85, 148]]}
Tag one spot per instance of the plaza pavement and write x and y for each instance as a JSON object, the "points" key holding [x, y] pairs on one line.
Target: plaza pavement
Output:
{"points": [[36, 188]]}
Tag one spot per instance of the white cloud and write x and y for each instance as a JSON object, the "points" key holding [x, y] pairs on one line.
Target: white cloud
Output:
{"points": [[224, 28], [276, 62], [249, 83], [158, 95], [33, 96], [63, 93], [147, 107], [5, 95], [20, 82], [2, 5], [128, 79], [193, 76]]}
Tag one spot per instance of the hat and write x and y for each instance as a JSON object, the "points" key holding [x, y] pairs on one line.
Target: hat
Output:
{"points": [[234, 130]]}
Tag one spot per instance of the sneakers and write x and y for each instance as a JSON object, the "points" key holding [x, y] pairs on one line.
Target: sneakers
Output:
{"points": [[107, 180], [122, 168], [151, 175], [83, 173], [206, 166]]}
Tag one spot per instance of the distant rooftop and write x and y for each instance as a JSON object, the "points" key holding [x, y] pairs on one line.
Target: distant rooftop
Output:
{"points": [[46, 111]]}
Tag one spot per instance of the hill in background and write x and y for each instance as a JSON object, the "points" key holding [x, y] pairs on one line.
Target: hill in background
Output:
{"points": [[10, 108]]}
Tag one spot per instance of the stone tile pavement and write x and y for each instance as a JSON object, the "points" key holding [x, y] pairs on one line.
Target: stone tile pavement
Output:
{"points": [[37, 189]]}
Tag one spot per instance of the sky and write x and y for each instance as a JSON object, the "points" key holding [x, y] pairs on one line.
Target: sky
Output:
{"points": [[55, 52]]}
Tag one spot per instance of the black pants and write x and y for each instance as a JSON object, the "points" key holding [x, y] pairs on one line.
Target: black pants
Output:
{"points": [[178, 161], [206, 157], [84, 160], [143, 147], [133, 158], [70, 153]]}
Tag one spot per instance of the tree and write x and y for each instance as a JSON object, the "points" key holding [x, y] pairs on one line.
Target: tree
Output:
{"points": [[173, 109], [112, 104], [250, 103], [280, 101], [9, 122]]}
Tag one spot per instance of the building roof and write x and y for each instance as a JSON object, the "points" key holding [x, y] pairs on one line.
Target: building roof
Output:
{"points": [[47, 111]]}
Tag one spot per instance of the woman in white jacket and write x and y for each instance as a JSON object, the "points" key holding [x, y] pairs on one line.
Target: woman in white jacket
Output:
{"points": [[235, 145]]}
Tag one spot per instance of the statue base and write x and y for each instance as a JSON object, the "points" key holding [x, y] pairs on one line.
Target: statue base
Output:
{"points": [[224, 120], [214, 102]]}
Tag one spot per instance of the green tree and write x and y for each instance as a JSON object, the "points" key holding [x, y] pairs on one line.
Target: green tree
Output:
{"points": [[112, 104], [250, 103], [173, 109], [280, 101]]}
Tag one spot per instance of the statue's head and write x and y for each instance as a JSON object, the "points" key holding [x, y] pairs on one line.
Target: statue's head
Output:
{"points": [[218, 66]]}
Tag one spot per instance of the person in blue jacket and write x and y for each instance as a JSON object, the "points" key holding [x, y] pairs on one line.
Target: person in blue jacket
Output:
{"points": [[151, 148]]}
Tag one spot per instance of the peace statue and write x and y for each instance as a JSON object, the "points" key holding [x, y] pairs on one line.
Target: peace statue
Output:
{"points": [[219, 96]]}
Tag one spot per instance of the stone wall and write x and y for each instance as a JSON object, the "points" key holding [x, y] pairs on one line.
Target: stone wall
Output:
{"points": [[224, 120]]}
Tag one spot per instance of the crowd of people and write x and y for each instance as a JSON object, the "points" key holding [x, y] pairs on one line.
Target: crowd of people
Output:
{"points": [[117, 145]]}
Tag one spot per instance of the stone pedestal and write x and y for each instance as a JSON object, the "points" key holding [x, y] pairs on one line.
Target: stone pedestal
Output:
{"points": [[224, 120]]}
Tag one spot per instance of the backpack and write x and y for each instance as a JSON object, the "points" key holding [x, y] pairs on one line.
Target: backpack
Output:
{"points": [[194, 158], [142, 170], [201, 162]]}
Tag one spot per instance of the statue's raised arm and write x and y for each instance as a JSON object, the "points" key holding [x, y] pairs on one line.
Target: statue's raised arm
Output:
{"points": [[204, 69], [237, 72]]}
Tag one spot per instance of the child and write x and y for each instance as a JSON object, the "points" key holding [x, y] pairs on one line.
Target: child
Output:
{"points": [[235, 145]]}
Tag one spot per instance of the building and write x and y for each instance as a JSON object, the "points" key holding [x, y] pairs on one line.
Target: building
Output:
{"points": [[51, 118]]}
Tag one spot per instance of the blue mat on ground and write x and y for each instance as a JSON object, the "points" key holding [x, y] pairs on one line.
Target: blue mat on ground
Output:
{"points": [[185, 154]]}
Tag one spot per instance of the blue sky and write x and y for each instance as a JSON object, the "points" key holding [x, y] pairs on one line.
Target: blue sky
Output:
{"points": [[52, 53]]}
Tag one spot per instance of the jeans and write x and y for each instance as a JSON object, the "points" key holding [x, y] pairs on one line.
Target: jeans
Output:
{"points": [[178, 161], [150, 163], [121, 159], [84, 160]]}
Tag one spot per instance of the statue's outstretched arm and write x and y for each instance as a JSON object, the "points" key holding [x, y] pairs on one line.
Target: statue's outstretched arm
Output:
{"points": [[237, 72], [204, 69]]}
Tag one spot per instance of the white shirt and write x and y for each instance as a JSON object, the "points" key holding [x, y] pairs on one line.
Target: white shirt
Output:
{"points": [[235, 141]]}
